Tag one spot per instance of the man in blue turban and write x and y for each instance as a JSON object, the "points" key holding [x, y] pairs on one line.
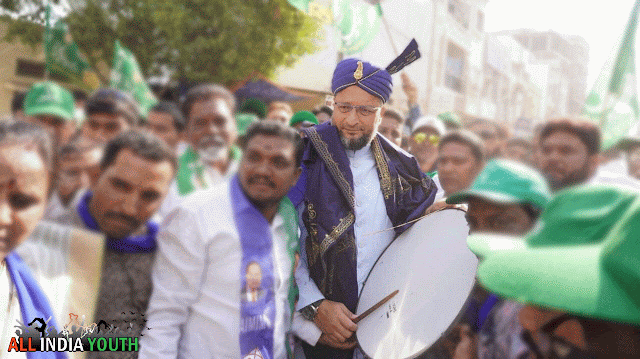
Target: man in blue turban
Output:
{"points": [[355, 195]]}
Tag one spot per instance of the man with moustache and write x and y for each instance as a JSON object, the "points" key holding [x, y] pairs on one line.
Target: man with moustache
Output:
{"points": [[210, 132], [135, 173], [356, 186], [223, 280]]}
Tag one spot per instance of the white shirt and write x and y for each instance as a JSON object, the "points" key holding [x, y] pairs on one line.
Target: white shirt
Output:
{"points": [[615, 179], [9, 314], [213, 178], [194, 310], [373, 232]]}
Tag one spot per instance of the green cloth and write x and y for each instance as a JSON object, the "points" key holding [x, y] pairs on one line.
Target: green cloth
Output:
{"points": [[583, 257], [190, 168], [302, 116], [507, 182], [290, 217], [243, 121], [50, 99]]}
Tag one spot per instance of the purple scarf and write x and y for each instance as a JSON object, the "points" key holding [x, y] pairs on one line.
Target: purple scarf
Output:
{"points": [[258, 305], [33, 301]]}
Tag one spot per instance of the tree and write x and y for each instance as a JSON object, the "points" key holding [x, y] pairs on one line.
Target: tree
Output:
{"points": [[200, 40]]}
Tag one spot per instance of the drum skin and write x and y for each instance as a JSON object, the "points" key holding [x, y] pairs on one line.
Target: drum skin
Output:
{"points": [[434, 272]]}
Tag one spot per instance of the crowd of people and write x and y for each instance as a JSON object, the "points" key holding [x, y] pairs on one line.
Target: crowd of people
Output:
{"points": [[212, 228]]}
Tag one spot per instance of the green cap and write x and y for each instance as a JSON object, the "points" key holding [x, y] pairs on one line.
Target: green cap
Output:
{"points": [[303, 116], [507, 182], [49, 98], [451, 119], [255, 106], [243, 120], [583, 258]]}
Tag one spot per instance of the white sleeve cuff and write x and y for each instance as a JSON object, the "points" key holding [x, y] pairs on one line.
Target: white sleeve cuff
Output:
{"points": [[305, 329]]}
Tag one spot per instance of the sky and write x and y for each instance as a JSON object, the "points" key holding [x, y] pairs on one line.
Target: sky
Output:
{"points": [[600, 23]]}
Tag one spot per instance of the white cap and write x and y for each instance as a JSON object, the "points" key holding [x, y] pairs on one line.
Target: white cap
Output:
{"points": [[430, 121]]}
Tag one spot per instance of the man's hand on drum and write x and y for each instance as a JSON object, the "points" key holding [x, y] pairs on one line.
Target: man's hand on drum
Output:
{"points": [[336, 323], [326, 340]]}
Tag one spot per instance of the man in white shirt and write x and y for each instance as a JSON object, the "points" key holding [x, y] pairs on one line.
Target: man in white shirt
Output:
{"points": [[356, 194], [209, 297]]}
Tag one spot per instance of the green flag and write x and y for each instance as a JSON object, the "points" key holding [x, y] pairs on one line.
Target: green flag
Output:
{"points": [[63, 57], [319, 9], [613, 100], [126, 76], [358, 23]]}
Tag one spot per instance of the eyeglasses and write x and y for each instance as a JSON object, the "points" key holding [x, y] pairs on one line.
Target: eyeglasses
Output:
{"points": [[363, 111], [420, 137]]}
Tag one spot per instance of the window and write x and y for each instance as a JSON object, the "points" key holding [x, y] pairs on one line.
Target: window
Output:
{"points": [[454, 70], [480, 21], [459, 11]]}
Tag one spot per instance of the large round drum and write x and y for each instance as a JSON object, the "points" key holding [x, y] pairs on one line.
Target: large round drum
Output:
{"points": [[434, 272]]}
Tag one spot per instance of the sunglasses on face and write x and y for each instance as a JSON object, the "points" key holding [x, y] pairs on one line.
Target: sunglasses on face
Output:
{"points": [[420, 137], [363, 111]]}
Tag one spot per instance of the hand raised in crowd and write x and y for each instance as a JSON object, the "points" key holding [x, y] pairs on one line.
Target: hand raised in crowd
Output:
{"points": [[335, 321], [409, 89]]}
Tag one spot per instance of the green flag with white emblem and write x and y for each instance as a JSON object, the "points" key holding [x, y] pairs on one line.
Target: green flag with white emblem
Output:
{"points": [[613, 100], [62, 55], [126, 76], [358, 23]]}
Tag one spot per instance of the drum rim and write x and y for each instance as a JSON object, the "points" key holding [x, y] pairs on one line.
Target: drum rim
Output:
{"points": [[453, 323]]}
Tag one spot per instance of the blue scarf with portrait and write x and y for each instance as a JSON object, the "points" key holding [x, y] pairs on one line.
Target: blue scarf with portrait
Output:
{"points": [[326, 188], [33, 302], [258, 305], [133, 244]]}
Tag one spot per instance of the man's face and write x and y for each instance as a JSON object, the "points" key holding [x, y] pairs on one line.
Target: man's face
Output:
{"points": [[391, 128], [24, 182], [103, 127], [60, 129], [356, 129], [508, 219], [211, 130], [280, 116], [457, 167], [268, 170], [423, 145], [490, 136], [254, 276], [128, 193], [162, 125], [78, 171], [564, 160]]}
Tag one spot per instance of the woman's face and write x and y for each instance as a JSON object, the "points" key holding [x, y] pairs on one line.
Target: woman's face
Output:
{"points": [[24, 183]]}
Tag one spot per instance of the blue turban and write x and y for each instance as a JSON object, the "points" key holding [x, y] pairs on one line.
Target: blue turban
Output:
{"points": [[374, 80]]}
